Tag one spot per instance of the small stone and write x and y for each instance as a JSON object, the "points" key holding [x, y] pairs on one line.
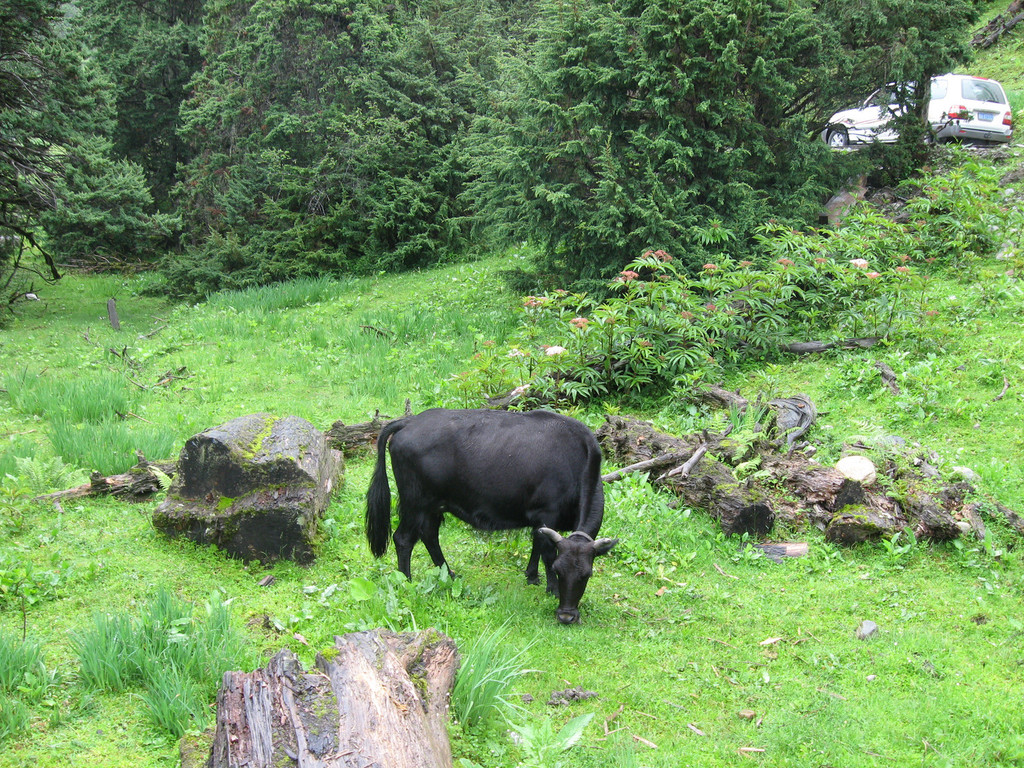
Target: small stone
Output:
{"points": [[747, 714], [872, 678], [866, 629], [858, 468], [965, 473]]}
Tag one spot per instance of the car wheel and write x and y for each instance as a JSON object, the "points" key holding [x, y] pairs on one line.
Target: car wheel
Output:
{"points": [[837, 137]]}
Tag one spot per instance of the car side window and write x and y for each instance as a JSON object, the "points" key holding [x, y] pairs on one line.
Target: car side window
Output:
{"points": [[939, 89]]}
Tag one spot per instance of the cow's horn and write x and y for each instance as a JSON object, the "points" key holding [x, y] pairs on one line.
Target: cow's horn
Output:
{"points": [[584, 534], [555, 536], [602, 546]]}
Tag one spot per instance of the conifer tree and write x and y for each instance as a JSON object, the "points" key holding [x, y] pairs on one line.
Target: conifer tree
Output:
{"points": [[327, 139], [681, 124]]}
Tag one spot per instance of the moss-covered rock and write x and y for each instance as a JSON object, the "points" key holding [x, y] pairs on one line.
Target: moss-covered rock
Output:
{"points": [[256, 487]]}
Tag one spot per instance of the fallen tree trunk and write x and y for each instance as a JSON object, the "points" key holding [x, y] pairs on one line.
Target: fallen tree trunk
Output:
{"points": [[377, 699], [989, 35], [707, 483], [144, 479], [355, 438]]}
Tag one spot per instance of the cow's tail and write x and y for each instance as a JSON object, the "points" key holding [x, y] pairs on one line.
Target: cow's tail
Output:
{"points": [[378, 497]]}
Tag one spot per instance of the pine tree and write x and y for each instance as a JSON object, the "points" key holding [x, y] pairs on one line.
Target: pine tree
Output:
{"points": [[150, 51]]}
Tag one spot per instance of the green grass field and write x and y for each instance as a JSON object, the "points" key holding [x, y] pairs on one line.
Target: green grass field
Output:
{"points": [[700, 651]]}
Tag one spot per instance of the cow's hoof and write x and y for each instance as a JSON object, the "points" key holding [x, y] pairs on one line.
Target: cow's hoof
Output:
{"points": [[535, 580]]}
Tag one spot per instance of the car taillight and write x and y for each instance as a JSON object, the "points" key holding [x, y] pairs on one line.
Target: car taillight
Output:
{"points": [[958, 113], [1008, 119]]}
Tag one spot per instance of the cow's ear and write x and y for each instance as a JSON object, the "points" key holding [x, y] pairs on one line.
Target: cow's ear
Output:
{"points": [[604, 546]]}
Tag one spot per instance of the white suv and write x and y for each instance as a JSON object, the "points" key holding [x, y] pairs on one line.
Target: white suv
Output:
{"points": [[960, 107]]}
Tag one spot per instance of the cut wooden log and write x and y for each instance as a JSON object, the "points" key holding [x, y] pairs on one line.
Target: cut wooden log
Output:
{"points": [[377, 699], [256, 487]]}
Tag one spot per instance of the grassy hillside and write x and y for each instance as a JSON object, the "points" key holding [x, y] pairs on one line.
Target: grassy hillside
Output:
{"points": [[1004, 61], [701, 652]]}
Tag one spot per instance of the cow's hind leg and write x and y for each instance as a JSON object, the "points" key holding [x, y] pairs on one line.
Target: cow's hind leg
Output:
{"points": [[405, 538], [430, 524]]}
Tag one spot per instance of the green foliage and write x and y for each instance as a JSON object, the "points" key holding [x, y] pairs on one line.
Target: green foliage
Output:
{"points": [[109, 447], [151, 51], [14, 717], [639, 125], [102, 216], [327, 140], [41, 85], [662, 327], [82, 399], [88, 426], [174, 656], [542, 746], [24, 585]]}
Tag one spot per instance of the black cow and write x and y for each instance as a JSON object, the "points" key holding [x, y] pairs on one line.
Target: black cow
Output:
{"points": [[495, 470]]}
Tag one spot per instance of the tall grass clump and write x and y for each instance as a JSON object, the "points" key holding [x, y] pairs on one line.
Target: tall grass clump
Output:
{"points": [[14, 717], [296, 293], [18, 657], [489, 667], [109, 447], [176, 657], [15, 449], [86, 399], [21, 671]]}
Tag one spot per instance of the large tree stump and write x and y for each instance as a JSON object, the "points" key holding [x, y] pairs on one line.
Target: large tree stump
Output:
{"points": [[378, 700]]}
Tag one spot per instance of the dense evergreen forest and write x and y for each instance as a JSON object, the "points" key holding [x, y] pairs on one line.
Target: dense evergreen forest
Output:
{"points": [[234, 143]]}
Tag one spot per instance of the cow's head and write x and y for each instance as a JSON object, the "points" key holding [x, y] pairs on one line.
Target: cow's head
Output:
{"points": [[572, 566]]}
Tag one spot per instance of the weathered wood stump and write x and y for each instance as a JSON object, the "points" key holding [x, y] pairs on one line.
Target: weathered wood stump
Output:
{"points": [[256, 487], [378, 699]]}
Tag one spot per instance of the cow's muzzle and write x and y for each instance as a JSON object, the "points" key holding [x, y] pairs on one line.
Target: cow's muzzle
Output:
{"points": [[568, 616]]}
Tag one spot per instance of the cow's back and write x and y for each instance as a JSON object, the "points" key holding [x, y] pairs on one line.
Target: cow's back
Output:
{"points": [[496, 469]]}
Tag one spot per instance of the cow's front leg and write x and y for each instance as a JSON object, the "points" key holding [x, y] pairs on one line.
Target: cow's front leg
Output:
{"points": [[532, 574], [544, 550]]}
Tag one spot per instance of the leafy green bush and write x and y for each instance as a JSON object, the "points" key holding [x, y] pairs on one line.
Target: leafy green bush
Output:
{"points": [[662, 326]]}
